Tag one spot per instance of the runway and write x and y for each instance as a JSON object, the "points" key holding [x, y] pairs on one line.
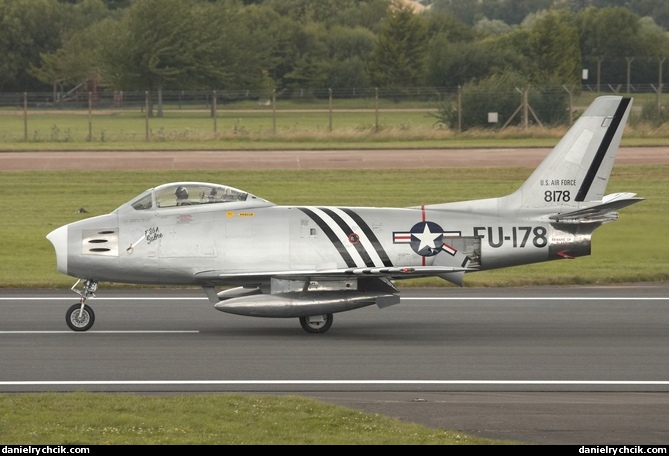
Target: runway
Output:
{"points": [[549, 365]]}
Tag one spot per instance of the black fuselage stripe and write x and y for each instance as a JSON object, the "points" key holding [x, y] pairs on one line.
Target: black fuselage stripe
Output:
{"points": [[332, 236], [603, 149], [371, 236], [348, 230]]}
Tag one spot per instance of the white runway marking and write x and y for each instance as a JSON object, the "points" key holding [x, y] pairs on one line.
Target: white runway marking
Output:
{"points": [[462, 298], [333, 382], [184, 331]]}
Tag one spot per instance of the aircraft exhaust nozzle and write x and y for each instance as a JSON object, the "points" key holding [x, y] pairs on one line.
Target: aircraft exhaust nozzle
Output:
{"points": [[288, 305], [58, 239]]}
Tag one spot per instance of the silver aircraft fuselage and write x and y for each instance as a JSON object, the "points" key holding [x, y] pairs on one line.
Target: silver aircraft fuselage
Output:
{"points": [[175, 245]]}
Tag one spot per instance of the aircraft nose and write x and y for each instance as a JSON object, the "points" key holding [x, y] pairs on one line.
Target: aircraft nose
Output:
{"points": [[58, 238]]}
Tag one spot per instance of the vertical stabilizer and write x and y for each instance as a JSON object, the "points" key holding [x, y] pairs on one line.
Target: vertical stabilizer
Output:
{"points": [[577, 170]]}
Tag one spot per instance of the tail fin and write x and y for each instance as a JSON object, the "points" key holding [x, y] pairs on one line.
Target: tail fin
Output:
{"points": [[577, 170]]}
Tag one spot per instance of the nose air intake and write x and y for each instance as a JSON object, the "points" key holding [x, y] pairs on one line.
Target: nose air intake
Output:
{"points": [[58, 239]]}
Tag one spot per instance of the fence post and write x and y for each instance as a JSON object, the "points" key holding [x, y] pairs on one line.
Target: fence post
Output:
{"points": [[274, 111], [330, 91], [459, 109], [376, 108], [659, 88], [629, 71], [571, 105], [526, 114], [25, 116], [146, 113], [599, 67], [213, 111], [90, 119]]}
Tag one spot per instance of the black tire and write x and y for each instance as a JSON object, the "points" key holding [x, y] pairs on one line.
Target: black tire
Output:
{"points": [[316, 327], [73, 321]]}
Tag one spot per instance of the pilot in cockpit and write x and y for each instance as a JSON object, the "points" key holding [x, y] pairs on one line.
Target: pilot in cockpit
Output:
{"points": [[182, 196]]}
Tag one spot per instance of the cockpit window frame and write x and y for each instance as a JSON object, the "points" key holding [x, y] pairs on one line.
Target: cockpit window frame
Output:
{"points": [[144, 198], [188, 194]]}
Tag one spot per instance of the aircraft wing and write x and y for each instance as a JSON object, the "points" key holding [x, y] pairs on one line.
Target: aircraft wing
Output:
{"points": [[606, 211], [225, 278]]}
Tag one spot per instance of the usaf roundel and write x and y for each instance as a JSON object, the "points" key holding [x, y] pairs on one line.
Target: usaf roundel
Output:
{"points": [[427, 238]]}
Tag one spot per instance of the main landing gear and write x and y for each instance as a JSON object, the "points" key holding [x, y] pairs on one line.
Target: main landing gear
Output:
{"points": [[80, 317], [316, 323]]}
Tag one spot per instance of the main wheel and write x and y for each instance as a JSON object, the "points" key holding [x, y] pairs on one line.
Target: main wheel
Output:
{"points": [[316, 323], [80, 323]]}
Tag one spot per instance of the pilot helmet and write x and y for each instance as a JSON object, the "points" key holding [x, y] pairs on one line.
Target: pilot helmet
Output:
{"points": [[181, 193]]}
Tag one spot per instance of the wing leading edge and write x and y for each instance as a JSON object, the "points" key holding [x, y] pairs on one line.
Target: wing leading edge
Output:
{"points": [[227, 278]]}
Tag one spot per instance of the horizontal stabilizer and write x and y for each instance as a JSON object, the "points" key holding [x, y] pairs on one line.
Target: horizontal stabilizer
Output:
{"points": [[601, 212]]}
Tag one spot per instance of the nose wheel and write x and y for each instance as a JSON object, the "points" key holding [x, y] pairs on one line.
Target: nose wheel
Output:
{"points": [[80, 317]]}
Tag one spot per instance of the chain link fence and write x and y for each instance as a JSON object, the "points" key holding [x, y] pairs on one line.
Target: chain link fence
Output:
{"points": [[137, 115]]}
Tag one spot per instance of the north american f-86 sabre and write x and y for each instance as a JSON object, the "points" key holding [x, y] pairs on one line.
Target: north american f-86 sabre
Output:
{"points": [[256, 258]]}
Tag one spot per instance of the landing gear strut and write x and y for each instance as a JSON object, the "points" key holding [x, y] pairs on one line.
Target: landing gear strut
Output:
{"points": [[316, 323], [80, 317]]}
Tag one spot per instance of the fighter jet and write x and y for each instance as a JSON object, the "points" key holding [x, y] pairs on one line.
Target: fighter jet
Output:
{"points": [[255, 258]]}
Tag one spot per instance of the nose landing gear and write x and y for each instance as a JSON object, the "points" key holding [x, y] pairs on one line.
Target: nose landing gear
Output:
{"points": [[80, 317]]}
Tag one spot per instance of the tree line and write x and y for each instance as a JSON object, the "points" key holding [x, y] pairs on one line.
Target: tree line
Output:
{"points": [[283, 45]]}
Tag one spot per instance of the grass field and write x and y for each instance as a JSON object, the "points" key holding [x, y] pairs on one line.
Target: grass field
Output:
{"points": [[209, 419]]}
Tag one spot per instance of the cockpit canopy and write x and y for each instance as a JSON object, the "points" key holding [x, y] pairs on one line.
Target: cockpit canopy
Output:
{"points": [[192, 194]]}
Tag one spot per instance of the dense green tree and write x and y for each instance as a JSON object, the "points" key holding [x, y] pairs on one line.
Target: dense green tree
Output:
{"points": [[439, 59], [554, 50], [308, 10], [309, 69], [82, 14], [247, 44], [655, 46], [368, 14], [348, 13], [399, 58], [511, 12], [467, 12], [503, 94], [657, 9], [497, 93], [28, 28], [654, 40], [609, 32], [332, 57], [610, 36], [442, 23], [277, 40], [347, 51], [73, 63], [171, 44], [491, 27], [446, 35], [117, 4], [250, 44], [146, 49]]}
